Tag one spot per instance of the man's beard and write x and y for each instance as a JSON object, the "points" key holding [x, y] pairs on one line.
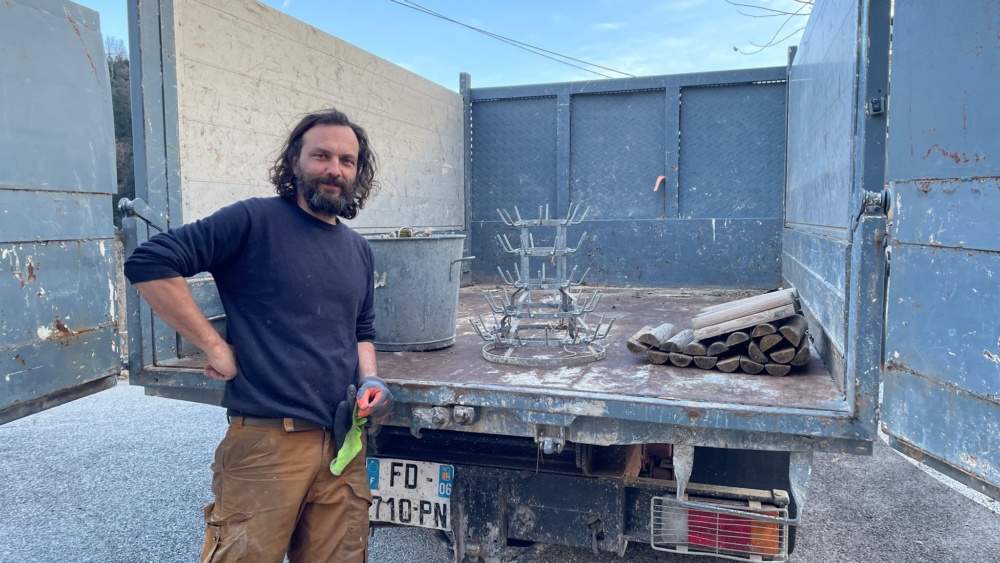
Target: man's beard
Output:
{"points": [[341, 205]]}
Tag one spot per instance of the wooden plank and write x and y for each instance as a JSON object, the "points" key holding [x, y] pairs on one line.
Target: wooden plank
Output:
{"points": [[659, 336], [784, 354], [753, 350], [736, 303], [680, 360], [705, 362], [794, 329], [770, 341], [750, 366], [755, 319], [778, 370], [744, 307], [717, 348], [658, 356], [695, 348], [737, 338], [764, 329], [636, 347], [729, 364], [677, 342]]}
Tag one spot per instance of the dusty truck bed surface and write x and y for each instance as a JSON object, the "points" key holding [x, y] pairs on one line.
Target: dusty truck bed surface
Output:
{"points": [[620, 372]]}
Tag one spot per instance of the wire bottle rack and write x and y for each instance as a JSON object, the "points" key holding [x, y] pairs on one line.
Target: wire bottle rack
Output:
{"points": [[553, 330]]}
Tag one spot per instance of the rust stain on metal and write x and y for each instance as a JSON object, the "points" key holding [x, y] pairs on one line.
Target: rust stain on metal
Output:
{"points": [[959, 158], [991, 356], [31, 272], [692, 414], [61, 328], [19, 360], [893, 365], [85, 52]]}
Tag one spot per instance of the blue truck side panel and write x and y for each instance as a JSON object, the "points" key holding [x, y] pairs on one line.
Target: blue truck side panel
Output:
{"points": [[58, 326], [718, 140], [942, 378]]}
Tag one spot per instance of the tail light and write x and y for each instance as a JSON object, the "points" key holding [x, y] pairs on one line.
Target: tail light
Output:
{"points": [[686, 530]]}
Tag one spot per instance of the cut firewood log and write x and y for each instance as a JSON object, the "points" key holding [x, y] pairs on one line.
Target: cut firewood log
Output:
{"points": [[743, 307], [753, 350], [717, 348], [680, 360], [695, 348], [636, 347], [635, 344], [778, 370], [737, 338], [729, 364], [658, 336], [794, 329], [750, 366], [754, 319], [801, 354], [658, 356], [783, 355], [677, 342], [705, 362], [770, 341], [763, 329]]}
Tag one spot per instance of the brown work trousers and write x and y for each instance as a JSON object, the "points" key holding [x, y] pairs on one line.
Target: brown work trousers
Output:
{"points": [[274, 493]]}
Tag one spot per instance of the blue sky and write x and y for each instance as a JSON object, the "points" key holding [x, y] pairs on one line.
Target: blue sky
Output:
{"points": [[640, 37]]}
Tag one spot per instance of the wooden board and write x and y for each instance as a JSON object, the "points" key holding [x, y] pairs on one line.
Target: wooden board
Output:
{"points": [[743, 308], [755, 319]]}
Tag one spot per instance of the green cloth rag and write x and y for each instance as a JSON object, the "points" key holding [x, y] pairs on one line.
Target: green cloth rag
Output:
{"points": [[351, 447]]}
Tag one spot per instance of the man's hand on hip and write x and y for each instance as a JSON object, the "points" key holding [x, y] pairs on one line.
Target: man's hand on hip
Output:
{"points": [[374, 398], [221, 363]]}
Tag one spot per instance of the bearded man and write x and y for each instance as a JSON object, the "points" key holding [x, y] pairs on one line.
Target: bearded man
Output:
{"points": [[298, 290]]}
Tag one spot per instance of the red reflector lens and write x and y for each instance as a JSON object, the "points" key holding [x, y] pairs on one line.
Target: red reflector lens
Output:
{"points": [[733, 533]]}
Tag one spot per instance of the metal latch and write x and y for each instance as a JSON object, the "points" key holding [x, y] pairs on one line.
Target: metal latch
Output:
{"points": [[138, 208], [876, 106]]}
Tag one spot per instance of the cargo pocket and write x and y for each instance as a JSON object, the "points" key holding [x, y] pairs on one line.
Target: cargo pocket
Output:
{"points": [[356, 540], [225, 537]]}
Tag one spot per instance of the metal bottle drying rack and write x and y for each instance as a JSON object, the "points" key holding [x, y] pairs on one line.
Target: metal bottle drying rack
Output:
{"points": [[558, 324]]}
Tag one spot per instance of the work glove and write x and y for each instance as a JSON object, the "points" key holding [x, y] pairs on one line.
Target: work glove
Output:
{"points": [[374, 398]]}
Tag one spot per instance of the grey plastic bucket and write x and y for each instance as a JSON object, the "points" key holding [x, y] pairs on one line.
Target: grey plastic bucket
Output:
{"points": [[416, 291]]}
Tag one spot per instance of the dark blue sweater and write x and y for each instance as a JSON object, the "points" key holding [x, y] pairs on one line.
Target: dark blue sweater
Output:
{"points": [[298, 295]]}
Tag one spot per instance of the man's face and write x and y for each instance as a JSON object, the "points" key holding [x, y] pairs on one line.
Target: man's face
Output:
{"points": [[326, 167]]}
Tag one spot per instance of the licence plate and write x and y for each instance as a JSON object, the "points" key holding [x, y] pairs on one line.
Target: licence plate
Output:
{"points": [[412, 493]]}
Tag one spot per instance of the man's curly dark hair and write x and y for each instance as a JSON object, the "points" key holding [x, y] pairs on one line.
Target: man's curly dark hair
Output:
{"points": [[365, 184]]}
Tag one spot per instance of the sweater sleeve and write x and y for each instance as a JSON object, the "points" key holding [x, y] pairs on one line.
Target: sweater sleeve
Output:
{"points": [[365, 330], [191, 249]]}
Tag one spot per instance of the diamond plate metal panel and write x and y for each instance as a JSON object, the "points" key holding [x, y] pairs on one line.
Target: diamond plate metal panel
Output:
{"points": [[732, 155], [513, 156], [617, 152]]}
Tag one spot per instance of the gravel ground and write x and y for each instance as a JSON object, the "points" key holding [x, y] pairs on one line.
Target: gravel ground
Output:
{"points": [[121, 477]]}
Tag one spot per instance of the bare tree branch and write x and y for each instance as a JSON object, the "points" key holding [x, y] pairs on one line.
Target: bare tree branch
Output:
{"points": [[779, 12], [772, 41]]}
